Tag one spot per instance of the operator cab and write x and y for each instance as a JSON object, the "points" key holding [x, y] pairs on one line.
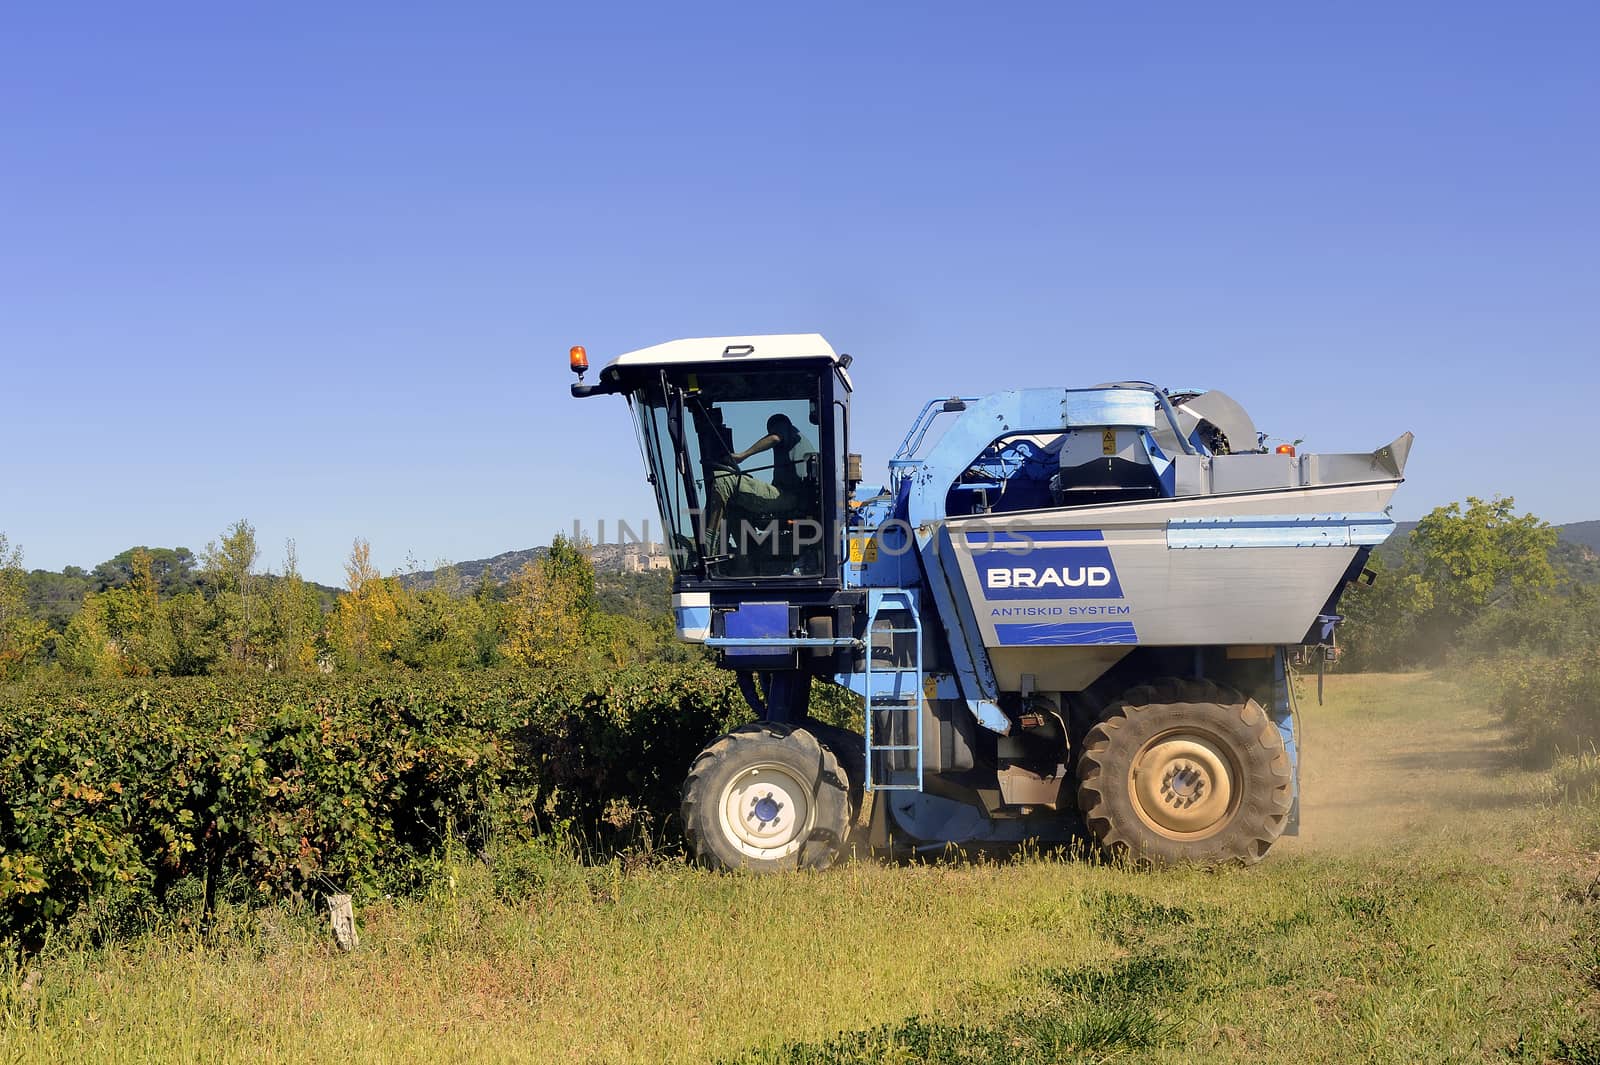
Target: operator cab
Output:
{"points": [[744, 439]]}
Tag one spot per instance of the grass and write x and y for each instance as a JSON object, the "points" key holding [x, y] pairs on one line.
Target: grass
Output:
{"points": [[1438, 908]]}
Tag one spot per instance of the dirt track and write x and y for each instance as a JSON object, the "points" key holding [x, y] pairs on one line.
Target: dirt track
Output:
{"points": [[1398, 758]]}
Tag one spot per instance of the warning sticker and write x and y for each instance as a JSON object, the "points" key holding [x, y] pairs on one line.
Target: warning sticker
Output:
{"points": [[863, 549], [1108, 442]]}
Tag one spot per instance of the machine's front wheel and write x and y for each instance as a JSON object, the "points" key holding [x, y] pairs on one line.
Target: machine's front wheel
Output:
{"points": [[768, 798], [850, 748], [1185, 771]]}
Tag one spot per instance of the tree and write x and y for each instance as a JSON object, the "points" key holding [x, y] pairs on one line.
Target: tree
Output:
{"points": [[87, 645], [1459, 563], [22, 637], [230, 566], [1466, 560], [1470, 558], [550, 607], [198, 641], [121, 631], [294, 618], [621, 640], [369, 620], [490, 636], [447, 628], [141, 630], [13, 589], [171, 567], [54, 597]]}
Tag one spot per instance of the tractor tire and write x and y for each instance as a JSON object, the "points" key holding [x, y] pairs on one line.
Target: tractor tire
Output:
{"points": [[1183, 771], [766, 798], [850, 748]]}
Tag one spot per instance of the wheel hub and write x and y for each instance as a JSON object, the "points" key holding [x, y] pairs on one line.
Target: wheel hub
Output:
{"points": [[765, 811], [1183, 785]]}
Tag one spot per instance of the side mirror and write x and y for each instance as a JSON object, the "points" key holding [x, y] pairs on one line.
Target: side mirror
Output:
{"points": [[953, 405]]}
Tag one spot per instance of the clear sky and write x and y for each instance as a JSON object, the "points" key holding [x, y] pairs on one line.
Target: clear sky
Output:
{"points": [[319, 265]]}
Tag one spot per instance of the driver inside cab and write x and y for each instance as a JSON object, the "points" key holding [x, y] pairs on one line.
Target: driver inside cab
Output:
{"points": [[734, 489]]}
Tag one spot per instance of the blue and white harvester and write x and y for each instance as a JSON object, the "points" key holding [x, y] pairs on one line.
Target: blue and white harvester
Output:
{"points": [[1068, 606]]}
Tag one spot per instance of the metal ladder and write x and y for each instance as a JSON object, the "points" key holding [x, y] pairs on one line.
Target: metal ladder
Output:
{"points": [[902, 691]]}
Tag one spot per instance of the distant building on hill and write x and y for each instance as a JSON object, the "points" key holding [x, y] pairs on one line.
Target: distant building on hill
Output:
{"points": [[645, 558]]}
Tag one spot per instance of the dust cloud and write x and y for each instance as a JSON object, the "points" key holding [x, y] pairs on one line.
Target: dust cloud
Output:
{"points": [[1395, 759]]}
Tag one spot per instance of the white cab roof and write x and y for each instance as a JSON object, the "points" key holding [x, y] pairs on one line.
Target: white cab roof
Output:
{"points": [[734, 349]]}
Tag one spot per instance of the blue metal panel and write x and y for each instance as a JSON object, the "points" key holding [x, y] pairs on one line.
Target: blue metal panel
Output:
{"points": [[887, 556], [779, 643], [757, 619], [1283, 717], [1075, 572], [1066, 633], [1279, 530], [974, 672], [994, 416], [942, 685], [693, 622], [755, 633]]}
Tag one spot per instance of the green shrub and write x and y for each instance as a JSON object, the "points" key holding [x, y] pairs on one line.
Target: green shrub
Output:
{"points": [[128, 793], [1550, 704], [1576, 777], [1561, 625]]}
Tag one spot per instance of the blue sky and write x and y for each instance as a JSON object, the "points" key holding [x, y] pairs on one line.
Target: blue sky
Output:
{"points": [[319, 265]]}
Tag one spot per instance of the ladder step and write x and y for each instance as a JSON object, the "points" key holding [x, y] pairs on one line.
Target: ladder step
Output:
{"points": [[902, 692]]}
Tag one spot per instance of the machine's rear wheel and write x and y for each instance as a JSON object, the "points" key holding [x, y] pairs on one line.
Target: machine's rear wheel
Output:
{"points": [[1185, 771], [768, 798]]}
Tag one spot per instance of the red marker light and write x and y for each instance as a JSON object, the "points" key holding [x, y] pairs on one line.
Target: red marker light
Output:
{"points": [[580, 359], [1286, 449]]}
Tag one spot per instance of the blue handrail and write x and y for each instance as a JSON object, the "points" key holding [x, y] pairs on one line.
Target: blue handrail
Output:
{"points": [[924, 422]]}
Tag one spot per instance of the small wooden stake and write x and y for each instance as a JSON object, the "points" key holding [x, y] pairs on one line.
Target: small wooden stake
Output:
{"points": [[342, 913]]}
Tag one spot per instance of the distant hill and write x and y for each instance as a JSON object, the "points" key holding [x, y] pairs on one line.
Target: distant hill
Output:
{"points": [[618, 590], [1578, 550], [607, 558], [1582, 533], [500, 568]]}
